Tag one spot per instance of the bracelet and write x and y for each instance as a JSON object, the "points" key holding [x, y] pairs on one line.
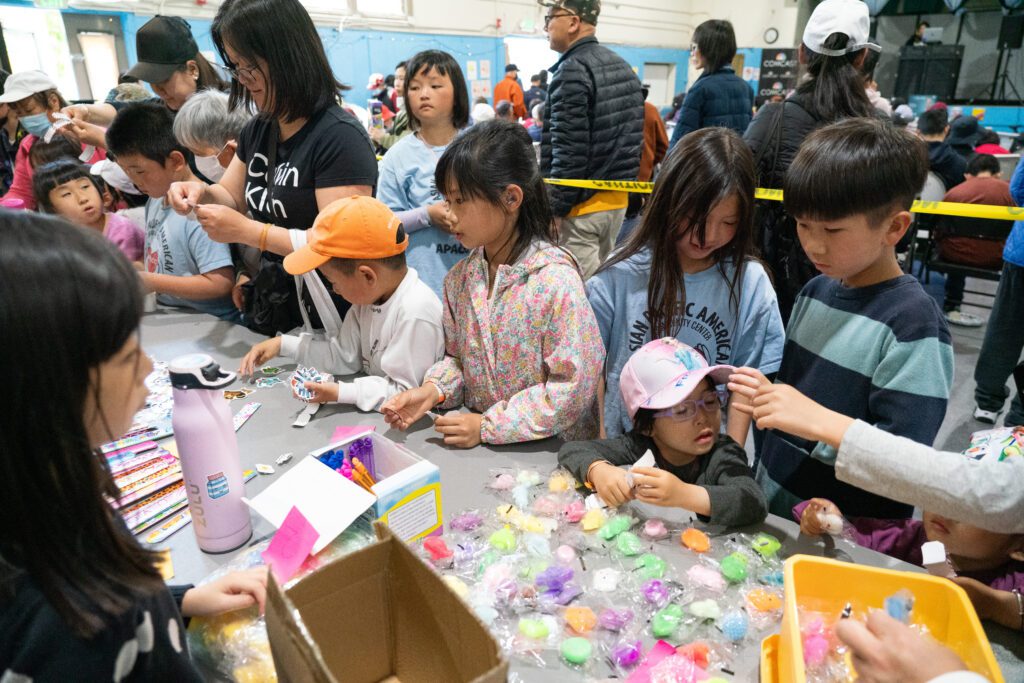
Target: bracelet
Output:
{"points": [[263, 236], [440, 394], [589, 484], [1020, 607]]}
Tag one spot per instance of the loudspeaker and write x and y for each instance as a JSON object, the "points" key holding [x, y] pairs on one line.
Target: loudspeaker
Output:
{"points": [[1011, 32], [929, 70]]}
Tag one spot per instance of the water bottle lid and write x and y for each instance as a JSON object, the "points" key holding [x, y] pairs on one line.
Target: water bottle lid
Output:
{"points": [[198, 371]]}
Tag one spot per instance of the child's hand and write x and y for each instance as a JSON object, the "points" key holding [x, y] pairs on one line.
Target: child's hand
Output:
{"points": [[610, 484], [402, 410], [780, 406], [657, 486], [235, 591], [223, 224], [258, 355], [440, 216], [810, 519], [236, 292], [185, 196], [326, 392], [744, 384], [460, 429], [995, 605]]}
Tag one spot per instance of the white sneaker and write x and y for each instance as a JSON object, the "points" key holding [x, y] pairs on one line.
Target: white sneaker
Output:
{"points": [[986, 416], [964, 319]]}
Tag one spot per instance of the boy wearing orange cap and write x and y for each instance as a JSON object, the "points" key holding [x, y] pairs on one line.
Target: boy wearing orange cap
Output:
{"points": [[393, 331]]}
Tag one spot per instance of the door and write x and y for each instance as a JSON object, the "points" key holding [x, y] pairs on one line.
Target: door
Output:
{"points": [[96, 42], [662, 80]]}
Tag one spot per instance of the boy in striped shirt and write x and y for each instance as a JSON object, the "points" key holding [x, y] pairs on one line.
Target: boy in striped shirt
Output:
{"points": [[864, 338]]}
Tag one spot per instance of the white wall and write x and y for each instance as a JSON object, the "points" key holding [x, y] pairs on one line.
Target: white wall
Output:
{"points": [[664, 23]]}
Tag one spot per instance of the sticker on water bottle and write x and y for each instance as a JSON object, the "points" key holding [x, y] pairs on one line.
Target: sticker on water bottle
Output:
{"points": [[217, 485]]}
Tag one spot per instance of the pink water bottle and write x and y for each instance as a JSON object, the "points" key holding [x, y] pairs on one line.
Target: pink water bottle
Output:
{"points": [[208, 448]]}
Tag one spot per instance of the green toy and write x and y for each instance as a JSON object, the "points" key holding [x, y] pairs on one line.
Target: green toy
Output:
{"points": [[629, 544], [534, 628], [576, 650], [504, 539], [705, 609], [486, 560], [650, 566], [666, 621], [615, 526], [766, 546], [734, 567]]}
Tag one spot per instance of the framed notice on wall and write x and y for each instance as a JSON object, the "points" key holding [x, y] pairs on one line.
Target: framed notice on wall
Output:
{"points": [[779, 71]]}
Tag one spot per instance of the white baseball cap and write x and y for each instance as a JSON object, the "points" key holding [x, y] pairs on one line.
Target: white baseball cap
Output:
{"points": [[25, 83], [849, 17]]}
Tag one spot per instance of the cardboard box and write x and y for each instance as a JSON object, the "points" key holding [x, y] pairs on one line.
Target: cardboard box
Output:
{"points": [[408, 487], [378, 615]]}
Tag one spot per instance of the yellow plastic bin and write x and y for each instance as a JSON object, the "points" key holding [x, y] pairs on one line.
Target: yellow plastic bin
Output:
{"points": [[824, 585]]}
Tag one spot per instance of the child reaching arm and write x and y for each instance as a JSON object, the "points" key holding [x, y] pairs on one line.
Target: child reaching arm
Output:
{"points": [[393, 330], [669, 391], [522, 346]]}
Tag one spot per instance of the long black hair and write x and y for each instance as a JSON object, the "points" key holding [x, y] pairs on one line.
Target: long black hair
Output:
{"points": [[68, 290], [444, 64], [299, 78], [485, 160], [834, 88], [707, 167], [54, 173]]}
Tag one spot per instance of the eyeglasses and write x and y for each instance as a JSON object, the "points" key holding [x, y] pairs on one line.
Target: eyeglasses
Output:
{"points": [[240, 73], [687, 410], [548, 18]]}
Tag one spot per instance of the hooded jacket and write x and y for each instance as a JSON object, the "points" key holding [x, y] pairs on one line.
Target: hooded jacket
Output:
{"points": [[527, 354], [593, 122]]}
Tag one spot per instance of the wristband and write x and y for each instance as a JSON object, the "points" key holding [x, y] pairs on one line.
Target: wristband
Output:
{"points": [[440, 394], [263, 236], [589, 483]]}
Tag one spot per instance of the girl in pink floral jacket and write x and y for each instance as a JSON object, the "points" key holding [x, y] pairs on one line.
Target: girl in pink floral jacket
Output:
{"points": [[522, 346]]}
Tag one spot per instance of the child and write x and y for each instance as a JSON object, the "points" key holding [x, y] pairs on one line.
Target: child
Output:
{"points": [[688, 272], [58, 148], [80, 598], [67, 188], [865, 339], [435, 95], [521, 343], [669, 391], [987, 565], [182, 264], [392, 332]]}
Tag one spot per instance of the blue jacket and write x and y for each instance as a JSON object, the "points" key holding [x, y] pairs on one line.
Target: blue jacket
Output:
{"points": [[719, 98], [1013, 252]]}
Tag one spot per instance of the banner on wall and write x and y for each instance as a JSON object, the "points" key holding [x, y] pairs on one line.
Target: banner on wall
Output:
{"points": [[779, 70], [480, 89]]}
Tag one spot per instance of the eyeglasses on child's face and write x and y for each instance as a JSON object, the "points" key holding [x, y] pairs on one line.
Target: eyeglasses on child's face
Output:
{"points": [[709, 402]]}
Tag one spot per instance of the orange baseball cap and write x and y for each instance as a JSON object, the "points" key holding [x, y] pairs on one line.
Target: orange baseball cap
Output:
{"points": [[356, 227]]}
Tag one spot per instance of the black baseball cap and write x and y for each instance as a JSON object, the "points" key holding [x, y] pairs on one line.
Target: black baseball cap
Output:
{"points": [[586, 10], [164, 45], [511, 67]]}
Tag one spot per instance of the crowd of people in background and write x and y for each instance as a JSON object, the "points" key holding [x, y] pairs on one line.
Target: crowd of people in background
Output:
{"points": [[419, 240]]}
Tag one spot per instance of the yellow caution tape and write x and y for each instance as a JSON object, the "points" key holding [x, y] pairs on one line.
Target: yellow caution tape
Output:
{"points": [[1003, 213]]}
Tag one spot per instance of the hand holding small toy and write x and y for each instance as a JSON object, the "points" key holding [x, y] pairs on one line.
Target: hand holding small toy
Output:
{"points": [[660, 487], [819, 517], [459, 429], [322, 392], [610, 483], [258, 355], [235, 591], [402, 410]]}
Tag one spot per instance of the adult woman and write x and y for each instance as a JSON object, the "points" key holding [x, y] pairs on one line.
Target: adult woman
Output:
{"points": [[169, 60], [834, 46], [299, 154], [34, 97], [80, 598], [719, 97]]}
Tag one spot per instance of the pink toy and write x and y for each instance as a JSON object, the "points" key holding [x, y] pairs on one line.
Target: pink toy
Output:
{"points": [[706, 577], [546, 506], [437, 548], [816, 644], [565, 554], [503, 482], [655, 529], [575, 510]]}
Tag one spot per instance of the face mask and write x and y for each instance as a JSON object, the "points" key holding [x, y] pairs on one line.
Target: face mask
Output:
{"points": [[210, 167], [36, 124]]}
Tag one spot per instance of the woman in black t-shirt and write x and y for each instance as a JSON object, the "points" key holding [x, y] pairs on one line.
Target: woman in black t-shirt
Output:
{"points": [[80, 598], [315, 151]]}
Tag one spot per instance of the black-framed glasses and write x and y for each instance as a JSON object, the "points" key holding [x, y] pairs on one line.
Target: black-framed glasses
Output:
{"points": [[548, 18], [240, 72]]}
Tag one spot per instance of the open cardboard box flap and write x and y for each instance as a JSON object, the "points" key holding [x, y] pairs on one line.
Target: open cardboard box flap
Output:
{"points": [[378, 615]]}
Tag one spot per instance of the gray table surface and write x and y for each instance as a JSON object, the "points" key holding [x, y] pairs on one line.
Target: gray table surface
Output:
{"points": [[167, 334]]}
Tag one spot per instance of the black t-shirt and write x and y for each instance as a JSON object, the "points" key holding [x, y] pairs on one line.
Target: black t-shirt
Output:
{"points": [[331, 150]]}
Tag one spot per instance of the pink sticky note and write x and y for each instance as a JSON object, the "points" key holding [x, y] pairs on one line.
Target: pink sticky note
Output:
{"points": [[345, 432], [290, 546]]}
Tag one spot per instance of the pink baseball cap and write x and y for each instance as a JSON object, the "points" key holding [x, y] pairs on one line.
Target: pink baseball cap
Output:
{"points": [[664, 372]]}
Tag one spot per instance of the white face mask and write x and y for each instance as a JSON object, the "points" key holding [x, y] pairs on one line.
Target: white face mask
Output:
{"points": [[210, 167]]}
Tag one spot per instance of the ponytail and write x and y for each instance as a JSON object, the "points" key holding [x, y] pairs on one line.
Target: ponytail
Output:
{"points": [[835, 88]]}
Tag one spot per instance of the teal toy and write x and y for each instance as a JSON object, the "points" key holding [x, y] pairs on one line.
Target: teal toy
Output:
{"points": [[615, 526], [666, 621], [734, 567], [576, 650], [650, 566], [629, 544], [766, 546]]}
